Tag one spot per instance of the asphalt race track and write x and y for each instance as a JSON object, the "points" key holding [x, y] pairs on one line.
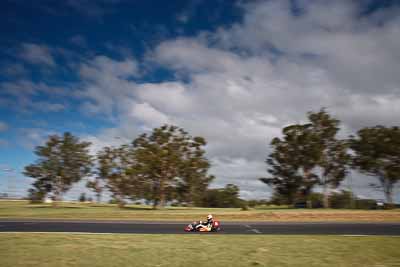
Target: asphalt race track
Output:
{"points": [[140, 227]]}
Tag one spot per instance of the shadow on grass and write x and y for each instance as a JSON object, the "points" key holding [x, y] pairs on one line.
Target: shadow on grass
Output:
{"points": [[51, 207], [135, 208], [272, 209]]}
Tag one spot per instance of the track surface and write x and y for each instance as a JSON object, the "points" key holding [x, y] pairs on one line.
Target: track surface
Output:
{"points": [[177, 228]]}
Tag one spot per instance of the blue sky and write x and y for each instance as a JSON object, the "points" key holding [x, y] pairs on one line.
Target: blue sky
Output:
{"points": [[235, 72]]}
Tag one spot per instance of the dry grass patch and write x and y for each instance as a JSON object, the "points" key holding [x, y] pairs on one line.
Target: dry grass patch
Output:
{"points": [[79, 211]]}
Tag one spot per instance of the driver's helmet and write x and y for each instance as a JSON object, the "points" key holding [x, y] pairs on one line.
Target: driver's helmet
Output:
{"points": [[209, 217]]}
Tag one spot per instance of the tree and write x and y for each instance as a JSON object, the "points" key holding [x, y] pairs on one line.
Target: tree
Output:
{"points": [[278, 199], [291, 163], [308, 155], [97, 188], [194, 180], [39, 190], [82, 197], [377, 153], [169, 158], [332, 153], [36, 196], [62, 162], [112, 168], [227, 197]]}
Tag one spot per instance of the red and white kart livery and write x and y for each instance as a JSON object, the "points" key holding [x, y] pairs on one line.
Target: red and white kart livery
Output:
{"points": [[215, 227]]}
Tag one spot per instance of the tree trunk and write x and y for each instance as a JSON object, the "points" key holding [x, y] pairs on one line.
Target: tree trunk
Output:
{"points": [[155, 195], [121, 203], [352, 200], [387, 190], [290, 198], [326, 196], [389, 195], [155, 204], [57, 198], [162, 194], [389, 198], [57, 190], [191, 200]]}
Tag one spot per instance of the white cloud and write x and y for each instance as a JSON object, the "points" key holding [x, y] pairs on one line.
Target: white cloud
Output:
{"points": [[104, 66], [52, 107], [172, 97], [149, 115], [106, 84], [242, 172], [37, 54], [334, 33], [243, 83], [108, 137], [20, 95], [29, 138]]}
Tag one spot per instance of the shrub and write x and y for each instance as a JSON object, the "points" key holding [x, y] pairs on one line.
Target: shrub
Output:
{"points": [[82, 197], [365, 204], [227, 197], [36, 196], [313, 200], [316, 200], [389, 206], [342, 200]]}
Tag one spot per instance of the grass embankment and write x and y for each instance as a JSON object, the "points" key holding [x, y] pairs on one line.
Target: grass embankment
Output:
{"points": [[60, 250], [79, 211]]}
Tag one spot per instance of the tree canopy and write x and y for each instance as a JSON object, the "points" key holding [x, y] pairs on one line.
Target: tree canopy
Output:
{"points": [[62, 162], [307, 155], [169, 159], [377, 153]]}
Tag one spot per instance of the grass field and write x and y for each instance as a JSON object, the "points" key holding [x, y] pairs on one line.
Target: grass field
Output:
{"points": [[61, 250], [79, 211]]}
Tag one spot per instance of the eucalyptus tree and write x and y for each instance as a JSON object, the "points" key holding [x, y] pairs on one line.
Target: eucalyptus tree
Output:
{"points": [[377, 153], [96, 186], [332, 153], [113, 164], [291, 162], [193, 179], [307, 155], [62, 161], [167, 159]]}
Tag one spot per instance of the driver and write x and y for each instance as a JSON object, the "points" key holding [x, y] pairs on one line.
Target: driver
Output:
{"points": [[208, 224]]}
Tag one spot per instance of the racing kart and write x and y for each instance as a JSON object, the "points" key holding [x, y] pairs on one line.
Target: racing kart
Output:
{"points": [[215, 227]]}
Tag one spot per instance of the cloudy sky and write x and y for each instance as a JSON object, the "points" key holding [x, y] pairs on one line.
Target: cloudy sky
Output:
{"points": [[234, 72]]}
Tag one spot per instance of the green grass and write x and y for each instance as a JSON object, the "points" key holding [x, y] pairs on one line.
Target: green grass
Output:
{"points": [[82, 211], [61, 250]]}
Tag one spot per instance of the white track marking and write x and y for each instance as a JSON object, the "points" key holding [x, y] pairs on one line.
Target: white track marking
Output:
{"points": [[252, 229]]}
